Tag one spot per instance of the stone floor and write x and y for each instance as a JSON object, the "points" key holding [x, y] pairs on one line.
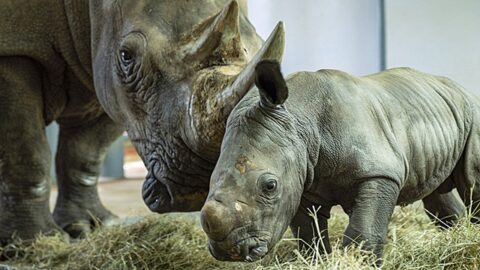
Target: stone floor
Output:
{"points": [[123, 197]]}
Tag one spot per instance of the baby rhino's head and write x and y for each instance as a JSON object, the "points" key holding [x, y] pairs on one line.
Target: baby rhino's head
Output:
{"points": [[257, 183]]}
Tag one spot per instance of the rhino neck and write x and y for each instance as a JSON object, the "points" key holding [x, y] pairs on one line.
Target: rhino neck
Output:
{"points": [[78, 56]]}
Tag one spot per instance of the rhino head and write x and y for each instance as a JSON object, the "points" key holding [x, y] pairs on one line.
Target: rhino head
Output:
{"points": [[171, 72], [258, 182]]}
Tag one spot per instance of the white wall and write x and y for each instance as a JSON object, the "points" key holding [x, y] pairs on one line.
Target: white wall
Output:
{"points": [[340, 34], [437, 36]]}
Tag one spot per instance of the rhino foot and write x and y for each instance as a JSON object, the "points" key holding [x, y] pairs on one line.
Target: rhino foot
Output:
{"points": [[21, 221], [79, 220], [14, 247], [26, 233]]}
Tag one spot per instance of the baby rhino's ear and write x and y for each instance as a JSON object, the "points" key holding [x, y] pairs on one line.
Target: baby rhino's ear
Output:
{"points": [[270, 82]]}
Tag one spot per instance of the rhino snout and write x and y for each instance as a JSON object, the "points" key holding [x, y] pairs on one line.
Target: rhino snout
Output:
{"points": [[248, 249], [231, 237], [216, 221]]}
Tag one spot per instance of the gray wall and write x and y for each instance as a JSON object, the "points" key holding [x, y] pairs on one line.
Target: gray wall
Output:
{"points": [[340, 34], [436, 36]]}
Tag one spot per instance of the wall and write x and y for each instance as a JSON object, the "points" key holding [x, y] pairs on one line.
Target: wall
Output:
{"points": [[437, 36], [340, 34]]}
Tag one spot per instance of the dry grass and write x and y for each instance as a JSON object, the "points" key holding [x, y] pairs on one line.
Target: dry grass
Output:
{"points": [[166, 242]]}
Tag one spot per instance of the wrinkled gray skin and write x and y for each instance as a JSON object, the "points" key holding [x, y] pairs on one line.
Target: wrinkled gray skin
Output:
{"points": [[328, 138], [169, 72]]}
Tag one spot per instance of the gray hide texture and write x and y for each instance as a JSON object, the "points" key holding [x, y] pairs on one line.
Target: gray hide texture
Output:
{"points": [[169, 72], [319, 139]]}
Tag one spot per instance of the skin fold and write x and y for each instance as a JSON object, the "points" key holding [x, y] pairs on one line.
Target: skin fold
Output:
{"points": [[168, 72], [325, 138]]}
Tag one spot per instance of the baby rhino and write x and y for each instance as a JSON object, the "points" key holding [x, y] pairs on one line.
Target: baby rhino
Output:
{"points": [[319, 139]]}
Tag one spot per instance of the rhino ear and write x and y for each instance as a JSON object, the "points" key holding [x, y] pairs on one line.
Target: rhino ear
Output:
{"points": [[270, 83]]}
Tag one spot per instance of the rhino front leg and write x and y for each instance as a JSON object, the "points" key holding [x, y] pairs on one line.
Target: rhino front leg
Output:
{"points": [[24, 153], [370, 214], [309, 231], [443, 209], [80, 153]]}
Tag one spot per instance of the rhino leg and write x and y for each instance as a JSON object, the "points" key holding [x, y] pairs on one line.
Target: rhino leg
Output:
{"points": [[444, 209], [466, 175], [80, 152], [308, 232], [24, 153], [370, 214], [469, 190]]}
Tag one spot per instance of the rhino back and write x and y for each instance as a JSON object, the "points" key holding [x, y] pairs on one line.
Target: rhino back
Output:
{"points": [[29, 30], [430, 119], [401, 124], [55, 34]]}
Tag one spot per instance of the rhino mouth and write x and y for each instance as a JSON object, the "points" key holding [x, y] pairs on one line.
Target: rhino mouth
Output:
{"points": [[156, 195], [162, 195], [253, 246]]}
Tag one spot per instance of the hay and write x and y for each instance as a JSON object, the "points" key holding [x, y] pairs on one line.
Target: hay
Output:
{"points": [[173, 242]]}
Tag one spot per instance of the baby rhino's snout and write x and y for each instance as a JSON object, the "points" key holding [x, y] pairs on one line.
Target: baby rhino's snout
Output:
{"points": [[229, 238], [216, 221]]}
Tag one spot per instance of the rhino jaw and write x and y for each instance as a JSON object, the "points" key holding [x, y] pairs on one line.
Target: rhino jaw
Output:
{"points": [[162, 195]]}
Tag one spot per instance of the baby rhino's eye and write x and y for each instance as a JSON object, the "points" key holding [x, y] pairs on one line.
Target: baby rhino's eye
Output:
{"points": [[268, 183]]}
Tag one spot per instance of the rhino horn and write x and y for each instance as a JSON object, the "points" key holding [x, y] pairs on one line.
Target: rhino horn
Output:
{"points": [[214, 97], [222, 32], [273, 50]]}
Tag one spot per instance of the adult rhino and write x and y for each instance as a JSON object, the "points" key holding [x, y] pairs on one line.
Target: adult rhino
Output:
{"points": [[169, 72], [319, 139]]}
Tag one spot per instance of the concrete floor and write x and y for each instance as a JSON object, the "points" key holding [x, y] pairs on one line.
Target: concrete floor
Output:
{"points": [[123, 197]]}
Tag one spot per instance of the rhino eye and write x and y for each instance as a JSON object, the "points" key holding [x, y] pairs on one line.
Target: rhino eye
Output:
{"points": [[126, 57], [268, 184], [126, 65]]}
